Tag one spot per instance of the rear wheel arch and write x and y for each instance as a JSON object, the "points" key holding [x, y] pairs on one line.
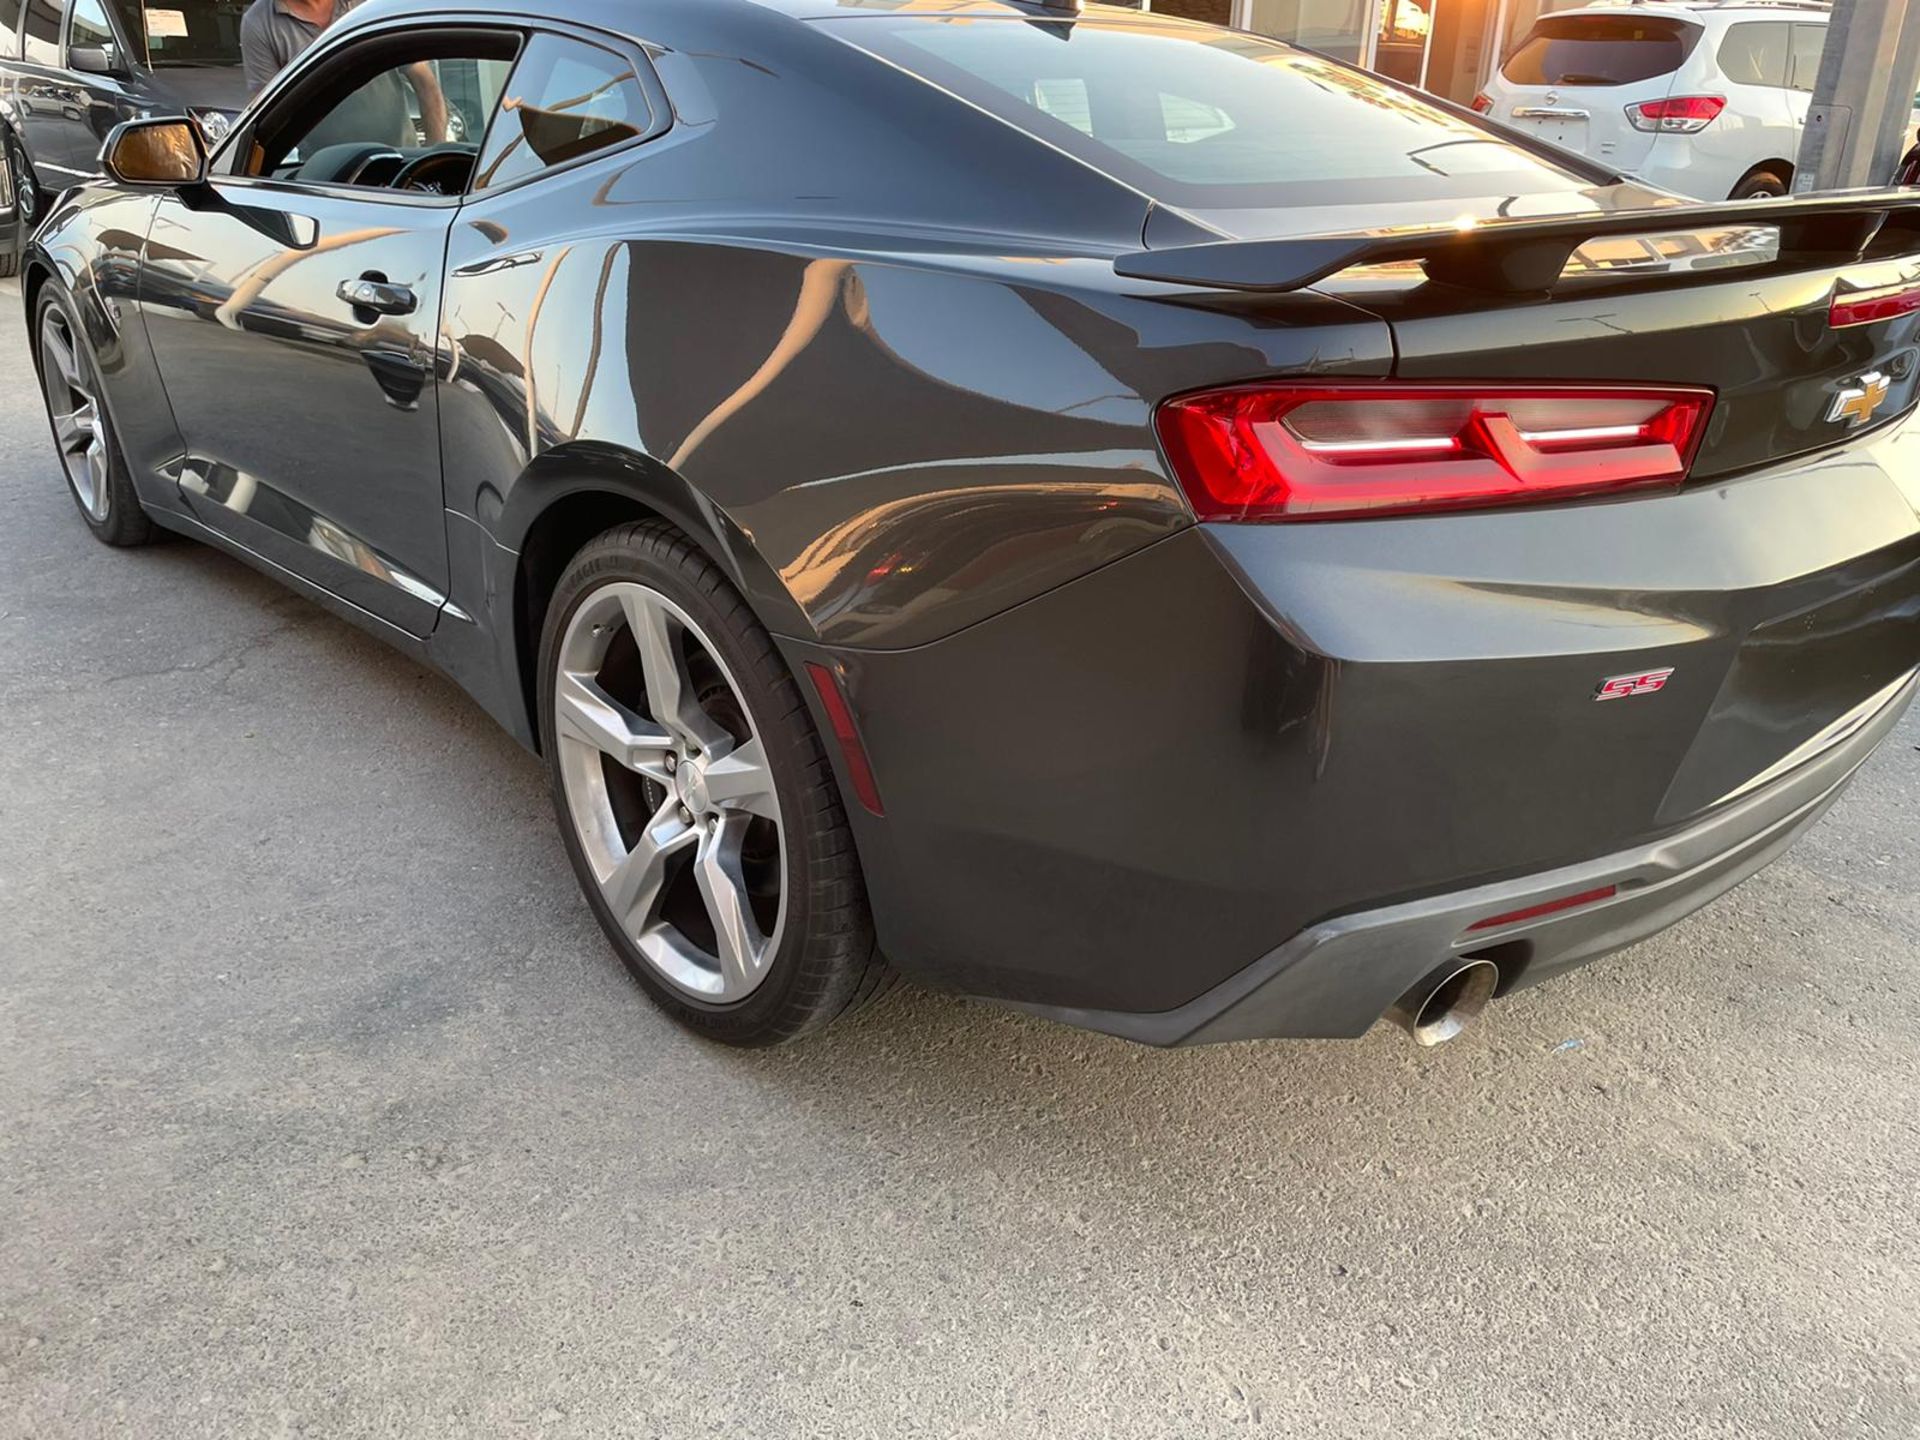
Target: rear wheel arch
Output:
{"points": [[574, 493]]}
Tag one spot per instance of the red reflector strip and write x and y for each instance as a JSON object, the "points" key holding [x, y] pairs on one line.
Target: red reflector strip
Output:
{"points": [[847, 735], [1865, 307], [1534, 912]]}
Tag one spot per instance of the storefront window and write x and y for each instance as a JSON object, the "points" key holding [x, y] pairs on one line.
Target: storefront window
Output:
{"points": [[1333, 27]]}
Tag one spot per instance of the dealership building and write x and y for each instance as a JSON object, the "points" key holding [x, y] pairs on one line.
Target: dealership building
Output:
{"points": [[1447, 46]]}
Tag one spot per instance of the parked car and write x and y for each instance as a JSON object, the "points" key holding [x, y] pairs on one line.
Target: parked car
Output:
{"points": [[1702, 98], [1113, 515], [70, 70]]}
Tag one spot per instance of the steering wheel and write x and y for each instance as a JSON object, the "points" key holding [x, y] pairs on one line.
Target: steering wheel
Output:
{"points": [[442, 171]]}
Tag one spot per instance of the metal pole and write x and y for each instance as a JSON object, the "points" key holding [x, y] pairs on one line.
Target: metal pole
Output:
{"points": [[1860, 117]]}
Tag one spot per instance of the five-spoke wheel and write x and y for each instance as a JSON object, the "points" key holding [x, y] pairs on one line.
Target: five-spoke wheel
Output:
{"points": [[74, 408], [699, 808], [82, 428], [669, 791]]}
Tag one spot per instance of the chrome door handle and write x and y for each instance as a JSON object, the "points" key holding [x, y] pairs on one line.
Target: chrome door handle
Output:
{"points": [[1547, 112], [370, 293]]}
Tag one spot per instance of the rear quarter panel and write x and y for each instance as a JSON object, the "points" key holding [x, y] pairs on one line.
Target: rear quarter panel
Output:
{"points": [[893, 361]]}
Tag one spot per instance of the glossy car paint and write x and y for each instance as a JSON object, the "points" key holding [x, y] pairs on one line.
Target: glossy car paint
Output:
{"points": [[906, 403]]}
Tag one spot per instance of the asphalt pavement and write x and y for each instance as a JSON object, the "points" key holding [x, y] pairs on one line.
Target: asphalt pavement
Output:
{"points": [[324, 1110]]}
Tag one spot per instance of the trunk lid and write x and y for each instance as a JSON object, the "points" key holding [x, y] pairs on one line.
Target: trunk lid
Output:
{"points": [[1621, 284]]}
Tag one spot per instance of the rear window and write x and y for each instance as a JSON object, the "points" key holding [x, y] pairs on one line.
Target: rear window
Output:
{"points": [[1599, 50], [1207, 117]]}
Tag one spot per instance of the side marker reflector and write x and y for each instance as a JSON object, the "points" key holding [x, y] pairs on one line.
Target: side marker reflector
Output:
{"points": [[833, 699], [1534, 912]]}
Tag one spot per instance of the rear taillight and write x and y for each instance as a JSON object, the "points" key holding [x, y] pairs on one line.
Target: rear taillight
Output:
{"points": [[1864, 307], [1482, 103], [1677, 115], [1319, 452]]}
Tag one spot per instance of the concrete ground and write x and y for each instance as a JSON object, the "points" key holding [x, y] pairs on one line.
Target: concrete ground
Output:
{"points": [[324, 1110]]}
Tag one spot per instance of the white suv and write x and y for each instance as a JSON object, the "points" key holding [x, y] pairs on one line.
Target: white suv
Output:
{"points": [[1705, 99]]}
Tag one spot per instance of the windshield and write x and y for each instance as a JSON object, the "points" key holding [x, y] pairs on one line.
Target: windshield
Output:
{"points": [[1600, 50], [1204, 117], [184, 32]]}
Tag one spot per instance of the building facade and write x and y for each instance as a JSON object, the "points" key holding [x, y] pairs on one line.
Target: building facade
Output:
{"points": [[1446, 46]]}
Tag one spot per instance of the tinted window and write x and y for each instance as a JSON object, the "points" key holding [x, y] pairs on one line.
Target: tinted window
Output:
{"points": [[42, 33], [404, 109], [1205, 117], [565, 100], [1599, 50], [184, 32], [1755, 54], [1803, 65], [9, 25], [89, 25]]}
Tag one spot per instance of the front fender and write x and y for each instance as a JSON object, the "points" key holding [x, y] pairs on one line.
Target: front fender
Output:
{"points": [[91, 244]]}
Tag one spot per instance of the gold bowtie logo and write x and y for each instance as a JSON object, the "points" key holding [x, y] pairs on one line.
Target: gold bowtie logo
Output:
{"points": [[1856, 403]]}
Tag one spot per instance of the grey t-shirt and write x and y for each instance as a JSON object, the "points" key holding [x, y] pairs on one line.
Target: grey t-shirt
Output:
{"points": [[271, 39]]}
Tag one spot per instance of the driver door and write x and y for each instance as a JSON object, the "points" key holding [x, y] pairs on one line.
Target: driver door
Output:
{"points": [[293, 303]]}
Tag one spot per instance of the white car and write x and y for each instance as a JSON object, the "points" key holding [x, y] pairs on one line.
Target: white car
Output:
{"points": [[1705, 99]]}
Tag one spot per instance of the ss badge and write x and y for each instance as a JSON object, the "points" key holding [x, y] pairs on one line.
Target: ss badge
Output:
{"points": [[1619, 687]]}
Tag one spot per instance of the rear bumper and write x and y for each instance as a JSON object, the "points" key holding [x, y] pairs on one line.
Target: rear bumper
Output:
{"points": [[1336, 979]]}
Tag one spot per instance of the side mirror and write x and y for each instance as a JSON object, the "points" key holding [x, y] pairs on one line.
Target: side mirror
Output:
{"points": [[94, 60], [155, 154]]}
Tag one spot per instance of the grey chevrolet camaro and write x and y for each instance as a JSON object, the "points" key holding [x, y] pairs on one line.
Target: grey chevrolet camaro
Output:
{"points": [[1120, 517]]}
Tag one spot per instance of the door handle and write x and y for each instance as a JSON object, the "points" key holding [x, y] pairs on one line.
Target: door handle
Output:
{"points": [[373, 293]]}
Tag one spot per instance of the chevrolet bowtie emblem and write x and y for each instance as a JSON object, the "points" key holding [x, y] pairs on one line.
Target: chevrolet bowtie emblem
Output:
{"points": [[1856, 403]]}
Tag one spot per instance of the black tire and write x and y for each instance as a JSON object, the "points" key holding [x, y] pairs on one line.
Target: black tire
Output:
{"points": [[824, 963], [1760, 183], [122, 520]]}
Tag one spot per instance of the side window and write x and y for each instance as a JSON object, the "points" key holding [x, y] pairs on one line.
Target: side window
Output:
{"points": [[1755, 53], [9, 28], [400, 123], [566, 99], [1804, 65], [42, 35], [88, 25]]}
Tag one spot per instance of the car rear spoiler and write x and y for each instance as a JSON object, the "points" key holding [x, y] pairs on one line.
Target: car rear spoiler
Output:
{"points": [[1520, 256]]}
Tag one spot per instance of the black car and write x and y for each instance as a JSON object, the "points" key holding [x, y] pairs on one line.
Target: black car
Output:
{"points": [[1112, 515], [70, 70]]}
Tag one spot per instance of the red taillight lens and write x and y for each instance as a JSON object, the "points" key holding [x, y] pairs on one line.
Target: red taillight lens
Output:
{"points": [[1864, 307], [1321, 452], [1678, 114], [1482, 103]]}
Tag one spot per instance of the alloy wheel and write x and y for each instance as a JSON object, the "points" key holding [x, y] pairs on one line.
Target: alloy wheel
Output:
{"points": [[670, 792], [78, 428]]}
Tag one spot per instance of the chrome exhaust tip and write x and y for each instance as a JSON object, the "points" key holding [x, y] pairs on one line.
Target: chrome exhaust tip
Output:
{"points": [[1447, 1001]]}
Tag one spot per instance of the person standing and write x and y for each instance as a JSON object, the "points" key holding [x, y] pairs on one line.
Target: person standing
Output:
{"points": [[273, 33]]}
